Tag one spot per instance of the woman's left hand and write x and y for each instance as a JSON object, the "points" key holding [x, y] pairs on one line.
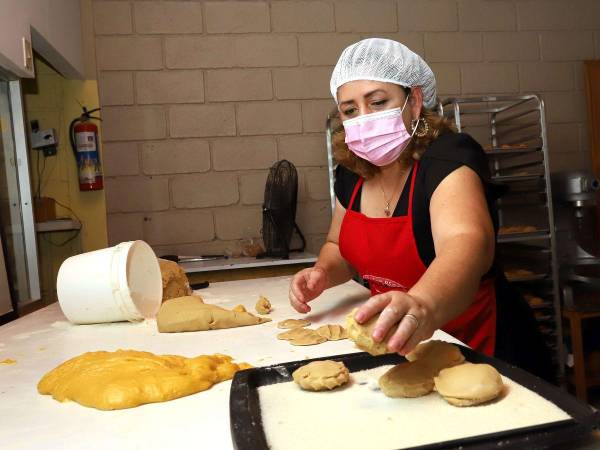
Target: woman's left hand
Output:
{"points": [[402, 311]]}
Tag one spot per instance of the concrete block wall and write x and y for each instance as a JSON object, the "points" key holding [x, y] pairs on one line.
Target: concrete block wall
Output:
{"points": [[200, 98]]}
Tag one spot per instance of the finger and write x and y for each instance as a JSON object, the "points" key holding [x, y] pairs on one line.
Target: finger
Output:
{"points": [[312, 279], [298, 305], [297, 288], [420, 335], [372, 306], [388, 319], [407, 328]]}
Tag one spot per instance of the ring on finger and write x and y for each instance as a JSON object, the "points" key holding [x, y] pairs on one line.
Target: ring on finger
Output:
{"points": [[413, 318]]}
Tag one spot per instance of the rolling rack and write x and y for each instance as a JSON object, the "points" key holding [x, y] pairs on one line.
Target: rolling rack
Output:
{"points": [[512, 131]]}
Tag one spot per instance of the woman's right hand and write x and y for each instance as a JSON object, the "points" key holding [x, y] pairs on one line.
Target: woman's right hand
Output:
{"points": [[307, 285]]}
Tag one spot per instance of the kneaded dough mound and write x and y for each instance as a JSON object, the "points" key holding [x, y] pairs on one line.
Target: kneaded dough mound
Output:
{"points": [[437, 354], [409, 379], [174, 280], [362, 335], [263, 305], [321, 375], [469, 384]]}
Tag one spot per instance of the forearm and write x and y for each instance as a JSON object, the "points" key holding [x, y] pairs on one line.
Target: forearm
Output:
{"points": [[450, 283], [334, 265]]}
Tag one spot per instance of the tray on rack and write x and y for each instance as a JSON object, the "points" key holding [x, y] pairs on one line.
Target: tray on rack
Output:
{"points": [[248, 434], [528, 236]]}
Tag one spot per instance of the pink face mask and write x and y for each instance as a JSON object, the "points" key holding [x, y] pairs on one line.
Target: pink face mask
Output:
{"points": [[378, 137]]}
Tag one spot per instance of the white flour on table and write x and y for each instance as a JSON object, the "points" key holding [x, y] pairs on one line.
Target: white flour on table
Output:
{"points": [[357, 417]]}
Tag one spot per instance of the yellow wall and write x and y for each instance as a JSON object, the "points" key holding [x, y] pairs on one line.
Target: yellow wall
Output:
{"points": [[54, 102]]}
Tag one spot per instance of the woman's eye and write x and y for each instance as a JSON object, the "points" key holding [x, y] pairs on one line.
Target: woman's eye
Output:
{"points": [[379, 102], [349, 111]]}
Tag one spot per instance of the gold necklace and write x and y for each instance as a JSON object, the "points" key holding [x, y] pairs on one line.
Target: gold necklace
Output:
{"points": [[387, 209]]}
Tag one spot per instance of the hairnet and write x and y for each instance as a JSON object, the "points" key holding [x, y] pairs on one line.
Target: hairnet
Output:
{"points": [[384, 60]]}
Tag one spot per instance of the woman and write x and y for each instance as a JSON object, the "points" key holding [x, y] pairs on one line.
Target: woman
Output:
{"points": [[414, 209]]}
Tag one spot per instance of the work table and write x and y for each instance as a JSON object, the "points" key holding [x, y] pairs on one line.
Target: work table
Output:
{"points": [[44, 339]]}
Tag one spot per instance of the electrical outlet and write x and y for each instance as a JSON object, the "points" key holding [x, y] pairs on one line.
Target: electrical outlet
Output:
{"points": [[27, 54]]}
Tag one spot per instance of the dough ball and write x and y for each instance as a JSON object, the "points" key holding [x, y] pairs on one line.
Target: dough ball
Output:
{"points": [[409, 379], [174, 280], [321, 375], [332, 332], [362, 335], [293, 323], [469, 384], [437, 354], [263, 305]]}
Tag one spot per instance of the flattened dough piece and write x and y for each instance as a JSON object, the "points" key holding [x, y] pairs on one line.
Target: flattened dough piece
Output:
{"points": [[321, 375], [263, 305], [332, 332], [362, 335], [437, 354], [174, 280], [129, 378], [409, 379], [469, 384], [191, 314], [293, 323], [305, 336]]}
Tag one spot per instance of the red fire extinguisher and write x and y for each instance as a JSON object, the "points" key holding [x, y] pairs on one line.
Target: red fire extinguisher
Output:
{"points": [[83, 134]]}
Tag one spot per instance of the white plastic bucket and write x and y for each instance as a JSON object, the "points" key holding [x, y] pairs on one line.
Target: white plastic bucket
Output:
{"points": [[110, 285]]}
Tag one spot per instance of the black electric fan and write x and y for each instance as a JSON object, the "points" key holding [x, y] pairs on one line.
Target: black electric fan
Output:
{"points": [[279, 211]]}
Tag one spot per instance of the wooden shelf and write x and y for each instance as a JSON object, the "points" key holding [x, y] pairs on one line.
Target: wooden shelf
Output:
{"points": [[57, 225]]}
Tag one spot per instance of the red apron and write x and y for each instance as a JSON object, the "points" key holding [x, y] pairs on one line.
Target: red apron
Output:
{"points": [[384, 252]]}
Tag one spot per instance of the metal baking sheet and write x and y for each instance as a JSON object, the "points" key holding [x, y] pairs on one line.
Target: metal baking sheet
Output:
{"points": [[247, 430]]}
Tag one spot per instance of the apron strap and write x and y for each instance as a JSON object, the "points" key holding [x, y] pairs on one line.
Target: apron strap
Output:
{"points": [[356, 188], [415, 168]]}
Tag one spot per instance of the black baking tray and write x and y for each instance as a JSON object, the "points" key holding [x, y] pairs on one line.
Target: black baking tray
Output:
{"points": [[247, 430]]}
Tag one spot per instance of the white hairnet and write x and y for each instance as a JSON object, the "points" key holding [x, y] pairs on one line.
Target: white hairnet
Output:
{"points": [[384, 60]]}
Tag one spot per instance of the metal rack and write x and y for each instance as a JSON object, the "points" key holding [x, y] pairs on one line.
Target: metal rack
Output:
{"points": [[512, 130]]}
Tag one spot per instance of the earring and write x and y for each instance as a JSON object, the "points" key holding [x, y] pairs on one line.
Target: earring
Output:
{"points": [[424, 129]]}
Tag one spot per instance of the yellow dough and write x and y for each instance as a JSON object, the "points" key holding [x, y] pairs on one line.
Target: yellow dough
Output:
{"points": [[129, 378], [174, 280], [192, 314], [332, 332], [362, 335], [409, 379], [263, 305], [437, 354], [321, 375], [239, 308], [469, 384], [293, 323]]}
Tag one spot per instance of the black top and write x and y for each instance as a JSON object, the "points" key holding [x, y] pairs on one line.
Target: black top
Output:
{"points": [[446, 154]]}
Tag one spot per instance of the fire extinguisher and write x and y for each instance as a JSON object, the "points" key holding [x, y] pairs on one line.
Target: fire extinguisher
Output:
{"points": [[83, 134]]}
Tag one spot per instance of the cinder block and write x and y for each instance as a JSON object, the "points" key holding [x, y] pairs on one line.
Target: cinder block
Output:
{"points": [[176, 227], [237, 17], [427, 15], [136, 194], [115, 88], [231, 51], [453, 47], [169, 86], [112, 17], [489, 78], [478, 15], [569, 161], [302, 16], [586, 14], [128, 53], [252, 187], [202, 120], [567, 45], [168, 17], [124, 227], [238, 222], [511, 46], [317, 181], [269, 118], [564, 137], [175, 156], [314, 114], [238, 85], [205, 190], [243, 153], [447, 78], [566, 106], [324, 49], [120, 158], [546, 15], [545, 76], [314, 216], [358, 15], [306, 150], [130, 123], [302, 83]]}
